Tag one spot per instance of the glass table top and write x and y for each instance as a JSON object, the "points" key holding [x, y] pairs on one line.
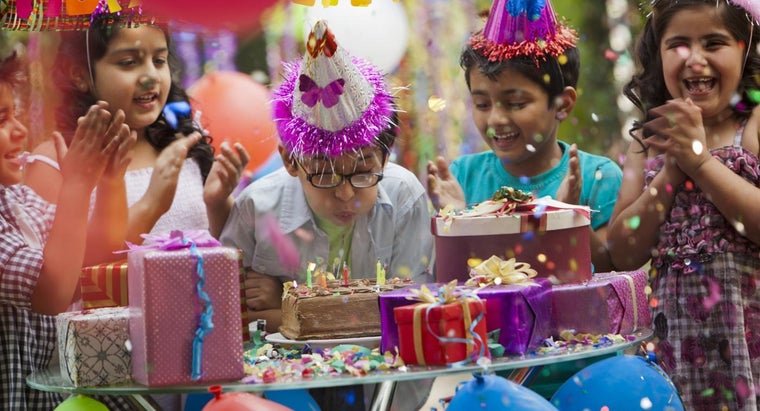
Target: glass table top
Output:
{"points": [[52, 380]]}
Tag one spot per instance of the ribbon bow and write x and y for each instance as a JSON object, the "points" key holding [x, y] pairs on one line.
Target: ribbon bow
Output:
{"points": [[446, 294], [495, 271], [175, 240], [326, 44], [312, 93], [173, 111]]}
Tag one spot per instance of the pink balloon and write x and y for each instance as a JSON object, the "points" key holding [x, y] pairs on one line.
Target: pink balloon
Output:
{"points": [[237, 15], [240, 401]]}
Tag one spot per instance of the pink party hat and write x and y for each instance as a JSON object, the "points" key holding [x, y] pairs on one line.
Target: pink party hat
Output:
{"points": [[522, 28], [330, 103]]}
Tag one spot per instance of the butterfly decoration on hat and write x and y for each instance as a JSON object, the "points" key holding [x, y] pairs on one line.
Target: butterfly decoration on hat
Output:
{"points": [[522, 28], [330, 103]]}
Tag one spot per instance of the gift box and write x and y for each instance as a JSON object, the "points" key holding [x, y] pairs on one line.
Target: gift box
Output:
{"points": [[442, 334], [554, 241], [185, 305], [521, 312], [610, 303], [92, 346], [104, 285]]}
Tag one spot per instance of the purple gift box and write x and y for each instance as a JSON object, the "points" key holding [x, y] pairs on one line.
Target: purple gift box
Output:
{"points": [[610, 303], [522, 312]]}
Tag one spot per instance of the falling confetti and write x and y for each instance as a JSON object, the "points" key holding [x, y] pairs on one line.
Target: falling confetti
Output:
{"points": [[634, 222], [436, 104]]}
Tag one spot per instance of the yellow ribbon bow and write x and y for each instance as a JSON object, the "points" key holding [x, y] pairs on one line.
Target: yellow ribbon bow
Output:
{"points": [[495, 271]]}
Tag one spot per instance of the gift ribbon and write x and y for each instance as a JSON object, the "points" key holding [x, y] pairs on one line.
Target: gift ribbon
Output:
{"points": [[205, 324], [495, 271], [635, 307], [446, 295]]}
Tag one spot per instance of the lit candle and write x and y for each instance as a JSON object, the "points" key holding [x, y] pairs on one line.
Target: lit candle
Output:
{"points": [[309, 271], [322, 280], [345, 274], [380, 273]]}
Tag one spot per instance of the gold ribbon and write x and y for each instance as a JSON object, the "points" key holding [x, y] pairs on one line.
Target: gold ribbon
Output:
{"points": [[418, 323], [632, 284], [495, 271]]}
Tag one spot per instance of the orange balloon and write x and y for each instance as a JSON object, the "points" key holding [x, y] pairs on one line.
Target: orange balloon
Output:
{"points": [[235, 108]]}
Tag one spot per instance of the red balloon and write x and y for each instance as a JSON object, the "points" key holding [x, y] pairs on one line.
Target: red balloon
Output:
{"points": [[235, 108], [240, 401], [237, 15]]}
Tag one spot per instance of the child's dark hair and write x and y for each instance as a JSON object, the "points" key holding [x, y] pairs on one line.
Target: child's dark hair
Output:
{"points": [[72, 53], [559, 75], [647, 87], [12, 70]]}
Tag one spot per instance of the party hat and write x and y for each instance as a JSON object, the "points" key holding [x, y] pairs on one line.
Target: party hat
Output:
{"points": [[522, 28], [330, 103]]}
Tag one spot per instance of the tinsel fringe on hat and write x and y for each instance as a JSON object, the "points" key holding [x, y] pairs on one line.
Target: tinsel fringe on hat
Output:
{"points": [[302, 139], [540, 49]]}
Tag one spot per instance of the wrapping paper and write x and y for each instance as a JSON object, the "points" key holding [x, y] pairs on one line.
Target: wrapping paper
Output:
{"points": [[104, 285], [614, 303], [555, 242], [431, 335], [166, 310], [92, 346], [523, 313]]}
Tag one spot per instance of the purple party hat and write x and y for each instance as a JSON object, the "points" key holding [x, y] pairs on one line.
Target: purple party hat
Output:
{"points": [[330, 103], [522, 28]]}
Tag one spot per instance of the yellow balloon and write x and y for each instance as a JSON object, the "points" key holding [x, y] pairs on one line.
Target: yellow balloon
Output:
{"points": [[81, 403]]}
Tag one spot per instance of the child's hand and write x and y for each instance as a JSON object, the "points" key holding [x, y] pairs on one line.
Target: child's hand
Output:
{"points": [[163, 181], [679, 133], [262, 292], [443, 188], [570, 189], [225, 174], [93, 144], [117, 165]]}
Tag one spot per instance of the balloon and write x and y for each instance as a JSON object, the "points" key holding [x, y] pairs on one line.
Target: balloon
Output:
{"points": [[81, 403], [240, 401], [378, 33], [236, 15], [624, 382], [298, 400], [491, 392], [235, 107]]}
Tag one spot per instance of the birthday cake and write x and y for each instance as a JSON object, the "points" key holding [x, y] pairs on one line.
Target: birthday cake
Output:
{"points": [[333, 310], [552, 236]]}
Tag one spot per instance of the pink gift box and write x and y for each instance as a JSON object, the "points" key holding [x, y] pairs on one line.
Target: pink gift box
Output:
{"points": [[555, 242], [610, 303], [165, 309]]}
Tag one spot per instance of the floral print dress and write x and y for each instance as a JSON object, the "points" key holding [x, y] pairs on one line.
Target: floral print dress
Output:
{"points": [[705, 300]]}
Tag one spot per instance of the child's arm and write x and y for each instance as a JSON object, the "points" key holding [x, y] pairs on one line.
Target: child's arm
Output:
{"points": [[108, 223], [263, 298], [221, 182], [81, 167], [443, 188], [41, 176], [157, 200], [633, 230]]}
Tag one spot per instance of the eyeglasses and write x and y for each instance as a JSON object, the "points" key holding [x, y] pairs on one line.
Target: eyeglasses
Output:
{"points": [[331, 180]]}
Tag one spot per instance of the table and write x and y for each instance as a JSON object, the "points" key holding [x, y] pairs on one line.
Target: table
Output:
{"points": [[51, 380]]}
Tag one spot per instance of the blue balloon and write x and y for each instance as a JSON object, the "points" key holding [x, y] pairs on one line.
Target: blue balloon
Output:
{"points": [[491, 392], [624, 382]]}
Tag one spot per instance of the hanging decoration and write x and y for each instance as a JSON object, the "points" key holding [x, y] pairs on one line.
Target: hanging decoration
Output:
{"points": [[60, 15]]}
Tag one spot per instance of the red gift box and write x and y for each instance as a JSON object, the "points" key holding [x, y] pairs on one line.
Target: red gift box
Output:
{"points": [[431, 334], [555, 241], [104, 285]]}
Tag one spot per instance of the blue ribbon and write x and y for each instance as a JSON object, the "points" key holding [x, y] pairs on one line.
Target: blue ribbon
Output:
{"points": [[173, 111], [531, 8], [205, 325]]}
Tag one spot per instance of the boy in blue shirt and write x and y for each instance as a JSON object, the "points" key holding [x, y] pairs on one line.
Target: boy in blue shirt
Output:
{"points": [[521, 89]]}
